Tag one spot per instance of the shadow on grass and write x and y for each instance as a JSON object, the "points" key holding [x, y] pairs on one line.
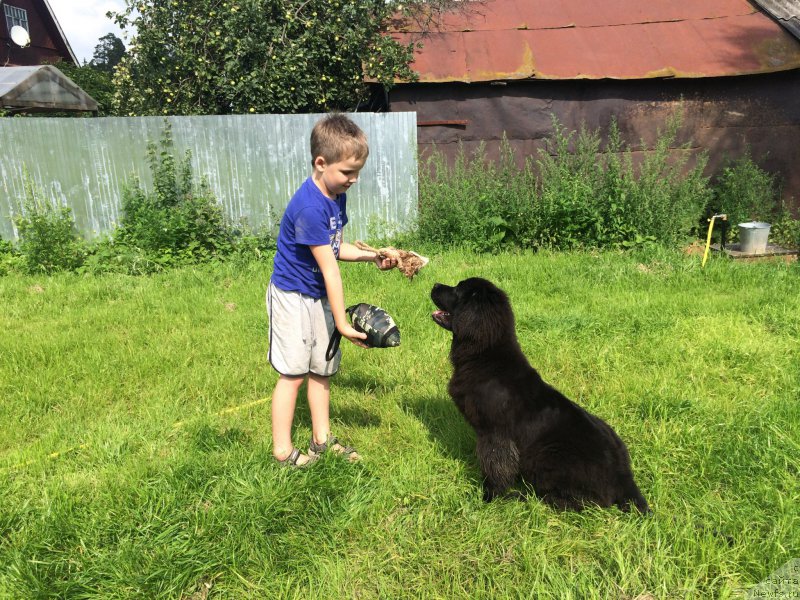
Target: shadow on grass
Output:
{"points": [[205, 437], [359, 382], [347, 415], [445, 424]]}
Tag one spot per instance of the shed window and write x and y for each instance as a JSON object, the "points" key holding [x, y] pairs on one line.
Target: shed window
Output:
{"points": [[16, 16]]}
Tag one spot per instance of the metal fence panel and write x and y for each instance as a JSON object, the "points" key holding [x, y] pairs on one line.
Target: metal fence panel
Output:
{"points": [[253, 164]]}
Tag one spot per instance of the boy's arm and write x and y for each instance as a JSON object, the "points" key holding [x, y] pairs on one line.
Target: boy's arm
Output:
{"points": [[351, 253], [329, 268]]}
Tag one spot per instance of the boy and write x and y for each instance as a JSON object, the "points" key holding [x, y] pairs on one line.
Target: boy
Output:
{"points": [[305, 300]]}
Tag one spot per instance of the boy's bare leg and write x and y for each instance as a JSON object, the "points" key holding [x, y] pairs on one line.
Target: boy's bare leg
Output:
{"points": [[284, 399], [319, 401]]}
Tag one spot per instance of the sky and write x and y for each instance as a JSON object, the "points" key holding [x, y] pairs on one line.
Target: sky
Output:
{"points": [[84, 22]]}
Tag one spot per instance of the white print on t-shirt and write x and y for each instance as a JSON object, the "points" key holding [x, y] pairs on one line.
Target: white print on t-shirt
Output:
{"points": [[336, 242]]}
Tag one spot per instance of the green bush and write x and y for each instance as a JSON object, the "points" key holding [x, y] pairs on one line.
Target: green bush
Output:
{"points": [[785, 230], [590, 197], [179, 221], [475, 203], [110, 256], [570, 199], [10, 259], [252, 243], [575, 194], [48, 240], [745, 192], [666, 194]]}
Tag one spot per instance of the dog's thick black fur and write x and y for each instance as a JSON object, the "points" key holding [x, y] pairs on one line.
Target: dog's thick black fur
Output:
{"points": [[525, 428]]}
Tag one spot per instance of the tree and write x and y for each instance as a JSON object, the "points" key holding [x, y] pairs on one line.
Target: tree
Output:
{"points": [[94, 77], [97, 84], [239, 56], [108, 53]]}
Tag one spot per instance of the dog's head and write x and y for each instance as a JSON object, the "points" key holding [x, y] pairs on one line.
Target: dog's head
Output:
{"points": [[475, 310]]}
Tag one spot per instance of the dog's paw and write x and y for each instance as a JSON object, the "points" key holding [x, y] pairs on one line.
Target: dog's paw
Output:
{"points": [[492, 493]]}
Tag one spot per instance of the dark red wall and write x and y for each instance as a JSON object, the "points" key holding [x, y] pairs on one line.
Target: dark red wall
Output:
{"points": [[46, 47], [722, 115]]}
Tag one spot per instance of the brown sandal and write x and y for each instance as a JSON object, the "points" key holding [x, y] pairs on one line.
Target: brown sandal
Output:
{"points": [[315, 450], [294, 456]]}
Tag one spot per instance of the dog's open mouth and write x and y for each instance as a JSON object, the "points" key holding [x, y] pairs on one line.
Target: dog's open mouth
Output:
{"points": [[442, 318]]}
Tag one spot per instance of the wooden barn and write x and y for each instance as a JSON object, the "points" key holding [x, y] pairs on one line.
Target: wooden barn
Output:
{"points": [[494, 67], [47, 42]]}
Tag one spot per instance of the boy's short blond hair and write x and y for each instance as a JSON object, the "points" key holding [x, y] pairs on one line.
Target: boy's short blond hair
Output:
{"points": [[336, 138]]}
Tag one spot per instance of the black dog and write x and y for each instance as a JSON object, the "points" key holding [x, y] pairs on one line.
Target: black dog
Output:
{"points": [[525, 427]]}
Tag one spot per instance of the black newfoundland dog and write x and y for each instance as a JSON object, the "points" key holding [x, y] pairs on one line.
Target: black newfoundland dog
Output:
{"points": [[525, 427]]}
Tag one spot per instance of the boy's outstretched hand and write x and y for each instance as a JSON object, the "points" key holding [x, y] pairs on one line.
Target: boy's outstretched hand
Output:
{"points": [[385, 263], [409, 263]]}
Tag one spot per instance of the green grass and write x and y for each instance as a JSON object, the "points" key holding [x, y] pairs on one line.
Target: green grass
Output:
{"points": [[154, 391]]}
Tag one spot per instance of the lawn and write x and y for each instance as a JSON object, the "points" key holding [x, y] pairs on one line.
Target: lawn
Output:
{"points": [[135, 454]]}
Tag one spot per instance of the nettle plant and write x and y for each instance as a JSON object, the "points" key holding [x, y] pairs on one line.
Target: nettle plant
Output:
{"points": [[255, 56], [179, 219], [48, 240], [746, 192], [578, 192]]}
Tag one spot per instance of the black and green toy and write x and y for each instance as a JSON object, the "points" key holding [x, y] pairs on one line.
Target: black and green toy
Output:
{"points": [[381, 330]]}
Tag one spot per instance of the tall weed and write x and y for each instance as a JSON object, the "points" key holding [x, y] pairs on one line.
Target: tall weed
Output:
{"points": [[669, 194], [48, 240], [576, 193], [179, 220], [477, 203], [785, 231], [570, 193], [746, 192]]}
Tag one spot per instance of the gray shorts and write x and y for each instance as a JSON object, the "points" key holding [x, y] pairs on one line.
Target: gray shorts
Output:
{"points": [[300, 328]]}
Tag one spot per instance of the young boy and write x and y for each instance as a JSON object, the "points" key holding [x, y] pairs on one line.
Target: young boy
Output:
{"points": [[305, 300]]}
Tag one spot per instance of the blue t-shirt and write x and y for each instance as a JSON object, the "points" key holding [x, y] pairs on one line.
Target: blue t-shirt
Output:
{"points": [[311, 219]]}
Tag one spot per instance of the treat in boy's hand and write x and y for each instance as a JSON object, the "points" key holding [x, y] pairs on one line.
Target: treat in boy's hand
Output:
{"points": [[409, 263]]}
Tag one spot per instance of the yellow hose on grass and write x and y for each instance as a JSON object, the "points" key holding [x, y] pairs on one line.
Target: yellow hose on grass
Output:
{"points": [[708, 239]]}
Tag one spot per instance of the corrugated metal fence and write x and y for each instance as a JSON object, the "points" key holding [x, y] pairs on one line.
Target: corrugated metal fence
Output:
{"points": [[253, 163]]}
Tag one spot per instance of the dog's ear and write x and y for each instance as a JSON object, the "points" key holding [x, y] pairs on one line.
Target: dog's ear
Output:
{"points": [[483, 315]]}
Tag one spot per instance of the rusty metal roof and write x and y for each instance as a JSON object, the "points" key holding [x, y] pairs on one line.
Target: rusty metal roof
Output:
{"points": [[492, 40]]}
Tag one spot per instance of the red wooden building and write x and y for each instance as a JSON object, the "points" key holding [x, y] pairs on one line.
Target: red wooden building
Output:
{"points": [[48, 44], [494, 67], [31, 41]]}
